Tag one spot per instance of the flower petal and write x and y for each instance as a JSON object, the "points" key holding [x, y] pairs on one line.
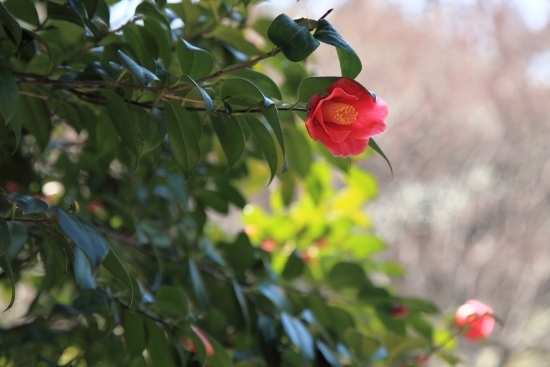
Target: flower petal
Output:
{"points": [[350, 86]]}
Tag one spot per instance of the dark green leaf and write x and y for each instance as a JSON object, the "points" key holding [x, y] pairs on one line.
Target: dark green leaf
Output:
{"points": [[113, 264], [298, 150], [143, 75], [234, 38], [200, 350], [208, 103], [162, 39], [198, 285], [220, 358], [29, 204], [157, 345], [378, 150], [193, 61], [134, 332], [299, 335], [420, 305], [82, 269], [272, 293], [172, 300], [6, 266], [350, 64], [314, 85], [264, 140], [35, 116], [10, 25], [24, 10], [293, 39], [9, 95], [328, 354], [128, 129], [85, 236], [155, 130], [363, 346], [294, 266], [230, 136], [61, 12], [182, 136], [422, 327], [240, 254], [5, 237], [271, 114], [346, 274], [260, 80], [19, 237], [241, 92], [151, 11], [242, 303]]}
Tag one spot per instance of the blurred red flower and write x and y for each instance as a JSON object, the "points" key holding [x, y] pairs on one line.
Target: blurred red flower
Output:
{"points": [[12, 186], [345, 118], [476, 318]]}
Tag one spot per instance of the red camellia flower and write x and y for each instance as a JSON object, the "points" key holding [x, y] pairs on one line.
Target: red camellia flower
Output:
{"points": [[345, 118], [476, 317]]}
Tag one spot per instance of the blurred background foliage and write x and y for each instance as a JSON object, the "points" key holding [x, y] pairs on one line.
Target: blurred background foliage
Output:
{"points": [[467, 213]]}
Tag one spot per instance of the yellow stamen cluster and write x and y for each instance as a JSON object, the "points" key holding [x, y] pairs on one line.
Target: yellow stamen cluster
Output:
{"points": [[339, 113]]}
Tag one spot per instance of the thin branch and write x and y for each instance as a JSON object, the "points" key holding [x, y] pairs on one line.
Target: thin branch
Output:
{"points": [[219, 73]]}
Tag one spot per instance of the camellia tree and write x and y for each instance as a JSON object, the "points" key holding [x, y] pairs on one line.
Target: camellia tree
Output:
{"points": [[118, 147]]}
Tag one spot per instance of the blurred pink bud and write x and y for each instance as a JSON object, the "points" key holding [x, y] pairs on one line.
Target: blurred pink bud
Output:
{"points": [[269, 245], [476, 318], [207, 345]]}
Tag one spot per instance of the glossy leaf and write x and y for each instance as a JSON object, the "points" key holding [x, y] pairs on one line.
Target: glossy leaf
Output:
{"points": [[264, 140], [134, 332], [173, 301], [65, 13], [314, 85], [29, 204], [208, 103], [85, 236], [143, 75], [181, 128], [128, 129], [350, 64], [293, 39], [19, 237], [13, 28], [230, 136], [298, 150], [198, 285], [6, 266], [299, 335], [242, 303], [24, 10], [82, 269], [35, 116], [113, 264], [271, 292], [294, 266], [194, 61], [267, 86], [157, 345], [378, 150], [363, 346], [9, 95], [5, 237], [346, 274], [327, 353]]}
